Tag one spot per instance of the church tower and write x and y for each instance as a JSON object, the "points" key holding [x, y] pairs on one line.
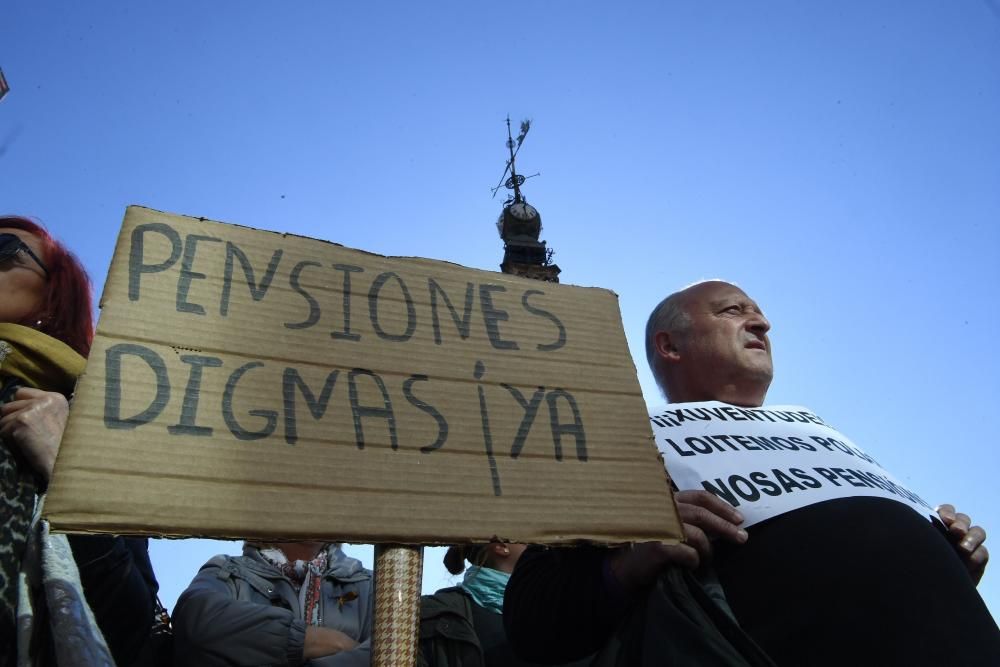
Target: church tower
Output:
{"points": [[520, 224]]}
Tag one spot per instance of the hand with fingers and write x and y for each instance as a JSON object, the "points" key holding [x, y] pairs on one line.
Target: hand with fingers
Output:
{"points": [[321, 641], [705, 517], [34, 423], [968, 540]]}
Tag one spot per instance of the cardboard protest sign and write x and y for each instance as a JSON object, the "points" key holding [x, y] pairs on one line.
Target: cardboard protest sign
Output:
{"points": [[770, 460], [252, 384]]}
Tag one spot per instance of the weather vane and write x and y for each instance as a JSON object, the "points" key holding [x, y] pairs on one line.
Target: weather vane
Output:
{"points": [[516, 180], [520, 224]]}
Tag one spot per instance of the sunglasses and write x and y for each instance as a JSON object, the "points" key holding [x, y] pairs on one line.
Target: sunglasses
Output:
{"points": [[11, 244]]}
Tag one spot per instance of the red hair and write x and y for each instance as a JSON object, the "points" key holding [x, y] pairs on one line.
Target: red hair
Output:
{"points": [[67, 310]]}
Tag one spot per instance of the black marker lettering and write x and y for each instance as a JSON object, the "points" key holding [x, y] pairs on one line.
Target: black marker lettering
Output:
{"points": [[463, 323], [189, 409], [113, 386], [136, 256], [295, 281], [478, 373], [411, 311], [346, 333], [442, 424], [530, 410], [290, 381], [257, 292], [359, 412], [240, 433], [558, 429], [492, 316], [187, 275], [535, 310]]}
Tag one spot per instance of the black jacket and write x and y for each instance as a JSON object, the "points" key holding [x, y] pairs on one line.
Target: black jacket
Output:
{"points": [[558, 607], [121, 588], [457, 632], [447, 635]]}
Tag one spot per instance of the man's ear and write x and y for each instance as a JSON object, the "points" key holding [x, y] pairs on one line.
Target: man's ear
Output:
{"points": [[665, 347]]}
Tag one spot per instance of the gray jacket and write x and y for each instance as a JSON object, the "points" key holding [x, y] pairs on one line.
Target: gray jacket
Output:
{"points": [[241, 611]]}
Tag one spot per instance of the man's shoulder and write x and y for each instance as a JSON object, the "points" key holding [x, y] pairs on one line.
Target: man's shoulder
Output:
{"points": [[225, 566]]}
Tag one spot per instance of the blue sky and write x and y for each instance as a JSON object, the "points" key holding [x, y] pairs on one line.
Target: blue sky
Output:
{"points": [[839, 161]]}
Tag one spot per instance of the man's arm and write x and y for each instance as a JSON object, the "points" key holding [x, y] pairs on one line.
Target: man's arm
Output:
{"points": [[212, 627], [557, 606], [563, 604]]}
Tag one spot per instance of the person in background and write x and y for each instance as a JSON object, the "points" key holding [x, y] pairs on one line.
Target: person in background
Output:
{"points": [[53, 587], [287, 603], [462, 626]]}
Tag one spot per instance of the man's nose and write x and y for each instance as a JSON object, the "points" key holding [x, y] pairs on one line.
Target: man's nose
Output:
{"points": [[758, 324]]}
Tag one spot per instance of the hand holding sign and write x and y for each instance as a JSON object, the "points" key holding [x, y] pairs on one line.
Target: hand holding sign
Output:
{"points": [[705, 517]]}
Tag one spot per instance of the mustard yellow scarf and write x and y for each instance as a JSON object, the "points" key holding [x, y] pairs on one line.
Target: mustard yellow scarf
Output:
{"points": [[38, 360]]}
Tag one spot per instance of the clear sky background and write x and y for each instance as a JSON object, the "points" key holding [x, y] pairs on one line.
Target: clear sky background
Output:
{"points": [[840, 161]]}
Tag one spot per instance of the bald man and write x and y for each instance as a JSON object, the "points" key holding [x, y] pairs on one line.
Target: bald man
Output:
{"points": [[850, 581]]}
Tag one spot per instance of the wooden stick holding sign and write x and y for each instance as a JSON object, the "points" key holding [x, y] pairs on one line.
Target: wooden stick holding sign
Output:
{"points": [[398, 576], [247, 384]]}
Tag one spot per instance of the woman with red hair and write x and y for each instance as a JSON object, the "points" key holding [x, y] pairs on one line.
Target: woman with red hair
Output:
{"points": [[45, 334], [61, 306]]}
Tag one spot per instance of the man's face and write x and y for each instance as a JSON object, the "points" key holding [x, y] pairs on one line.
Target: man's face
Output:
{"points": [[725, 350]]}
